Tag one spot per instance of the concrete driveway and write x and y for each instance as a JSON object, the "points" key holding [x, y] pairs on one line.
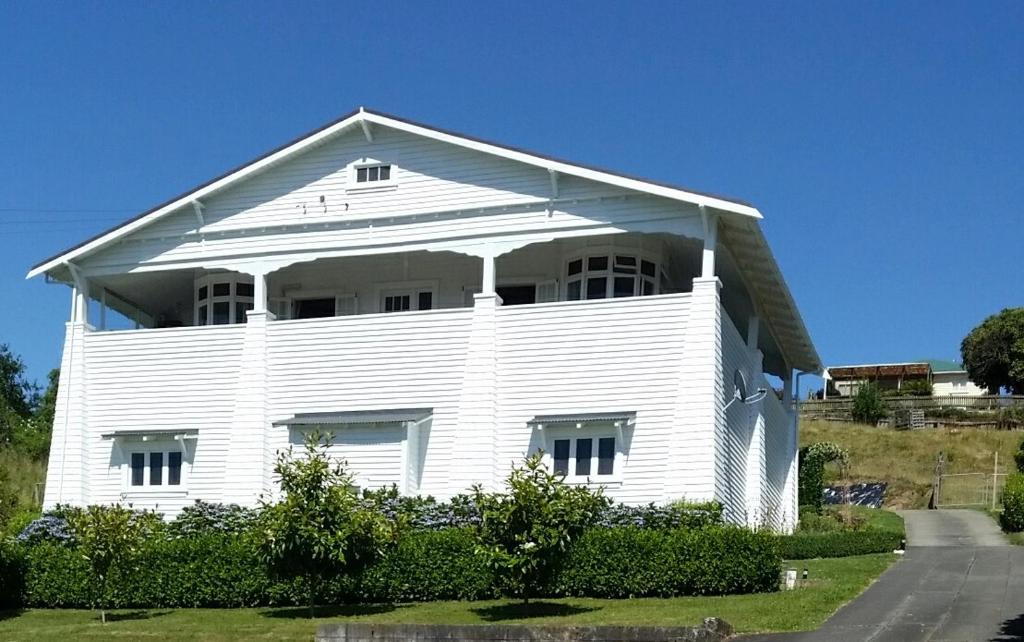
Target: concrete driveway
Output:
{"points": [[959, 582]]}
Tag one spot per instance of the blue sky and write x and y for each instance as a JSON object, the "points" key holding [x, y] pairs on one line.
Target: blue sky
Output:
{"points": [[882, 141]]}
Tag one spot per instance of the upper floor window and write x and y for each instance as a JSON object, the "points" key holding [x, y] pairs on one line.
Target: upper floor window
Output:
{"points": [[222, 299], [605, 276], [373, 173]]}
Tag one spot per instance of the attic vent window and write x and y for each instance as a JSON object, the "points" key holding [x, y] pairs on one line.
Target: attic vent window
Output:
{"points": [[373, 174]]}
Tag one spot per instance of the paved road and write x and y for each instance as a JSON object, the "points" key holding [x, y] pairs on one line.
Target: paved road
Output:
{"points": [[959, 582]]}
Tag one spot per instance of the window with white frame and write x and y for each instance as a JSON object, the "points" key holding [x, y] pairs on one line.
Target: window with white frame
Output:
{"points": [[369, 173], [222, 299], [152, 469], [609, 275], [406, 300], [587, 454]]}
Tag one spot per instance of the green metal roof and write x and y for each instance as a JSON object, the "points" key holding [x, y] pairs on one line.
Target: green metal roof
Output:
{"points": [[941, 365]]}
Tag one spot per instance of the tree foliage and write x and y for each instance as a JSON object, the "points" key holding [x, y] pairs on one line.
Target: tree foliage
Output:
{"points": [[868, 404], [16, 390], [527, 530], [320, 527], [993, 352]]}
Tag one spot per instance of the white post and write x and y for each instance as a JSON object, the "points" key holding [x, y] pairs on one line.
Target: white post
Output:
{"points": [[710, 243], [103, 309], [488, 278], [995, 479], [259, 292]]}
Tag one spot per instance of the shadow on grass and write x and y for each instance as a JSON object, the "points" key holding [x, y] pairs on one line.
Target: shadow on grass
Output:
{"points": [[521, 611], [336, 610], [124, 616], [7, 614]]}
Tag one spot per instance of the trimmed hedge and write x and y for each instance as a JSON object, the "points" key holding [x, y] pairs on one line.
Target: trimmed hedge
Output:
{"points": [[809, 545], [1012, 517], [223, 570], [634, 562]]}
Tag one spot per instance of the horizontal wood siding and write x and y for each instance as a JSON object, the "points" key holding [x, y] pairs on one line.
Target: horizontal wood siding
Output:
{"points": [[778, 429], [731, 466], [407, 360], [170, 378], [594, 356]]}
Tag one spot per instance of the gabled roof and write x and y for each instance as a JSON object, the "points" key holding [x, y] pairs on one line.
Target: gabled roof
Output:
{"points": [[941, 365], [739, 217], [365, 116]]}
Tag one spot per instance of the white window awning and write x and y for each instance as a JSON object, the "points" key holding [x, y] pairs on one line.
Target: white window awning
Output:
{"points": [[618, 418], [351, 417], [149, 434]]}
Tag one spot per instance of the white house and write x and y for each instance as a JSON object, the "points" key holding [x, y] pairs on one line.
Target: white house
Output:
{"points": [[443, 306]]}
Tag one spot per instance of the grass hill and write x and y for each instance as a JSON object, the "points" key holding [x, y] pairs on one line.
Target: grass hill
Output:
{"points": [[23, 473], [906, 459]]}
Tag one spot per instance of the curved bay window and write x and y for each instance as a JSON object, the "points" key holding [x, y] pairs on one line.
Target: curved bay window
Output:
{"points": [[610, 275], [222, 299]]}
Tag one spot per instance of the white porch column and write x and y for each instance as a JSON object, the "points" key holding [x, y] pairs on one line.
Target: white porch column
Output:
{"points": [[67, 472], [710, 244], [757, 472], [476, 435], [247, 471], [697, 440]]}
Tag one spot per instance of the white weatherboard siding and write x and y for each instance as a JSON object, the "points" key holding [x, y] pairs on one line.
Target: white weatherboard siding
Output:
{"points": [[409, 360], [740, 420], [954, 383], [182, 378], [614, 355], [778, 458]]}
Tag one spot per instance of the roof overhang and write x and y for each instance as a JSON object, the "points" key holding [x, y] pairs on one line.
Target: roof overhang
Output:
{"points": [[365, 118], [773, 300], [354, 417]]}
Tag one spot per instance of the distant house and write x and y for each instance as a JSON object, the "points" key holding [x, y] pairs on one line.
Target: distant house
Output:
{"points": [[443, 306], [945, 377], [950, 378]]}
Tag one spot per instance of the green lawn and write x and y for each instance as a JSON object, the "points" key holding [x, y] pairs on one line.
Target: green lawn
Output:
{"points": [[832, 583]]}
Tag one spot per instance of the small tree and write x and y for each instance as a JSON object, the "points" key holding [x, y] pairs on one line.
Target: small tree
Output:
{"points": [[526, 531], [108, 538], [811, 480], [320, 528], [868, 404]]}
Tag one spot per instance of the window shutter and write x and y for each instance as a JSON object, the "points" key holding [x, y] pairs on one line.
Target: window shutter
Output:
{"points": [[281, 307], [547, 291], [346, 305]]}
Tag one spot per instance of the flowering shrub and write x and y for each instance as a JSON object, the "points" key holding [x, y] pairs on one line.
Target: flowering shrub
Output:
{"points": [[204, 518], [48, 528], [423, 513], [675, 515]]}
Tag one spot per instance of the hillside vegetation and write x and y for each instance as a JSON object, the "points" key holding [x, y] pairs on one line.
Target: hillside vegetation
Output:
{"points": [[24, 472], [906, 459]]}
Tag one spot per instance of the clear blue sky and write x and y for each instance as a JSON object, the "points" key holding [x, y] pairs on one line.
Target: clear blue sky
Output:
{"points": [[882, 141]]}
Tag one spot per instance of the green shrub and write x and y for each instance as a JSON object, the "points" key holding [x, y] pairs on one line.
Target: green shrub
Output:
{"points": [[869, 405], [1012, 518], [429, 565], [635, 562], [12, 574], [808, 545]]}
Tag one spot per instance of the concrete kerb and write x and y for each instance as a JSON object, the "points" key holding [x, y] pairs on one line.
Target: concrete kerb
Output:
{"points": [[711, 630]]}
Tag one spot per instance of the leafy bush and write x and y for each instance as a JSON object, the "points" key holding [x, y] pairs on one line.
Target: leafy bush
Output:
{"points": [[12, 575], [204, 518], [525, 532], [423, 513], [869, 405], [916, 388], [811, 480], [1012, 518], [321, 528], [430, 565], [808, 545], [635, 562], [8, 499]]}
